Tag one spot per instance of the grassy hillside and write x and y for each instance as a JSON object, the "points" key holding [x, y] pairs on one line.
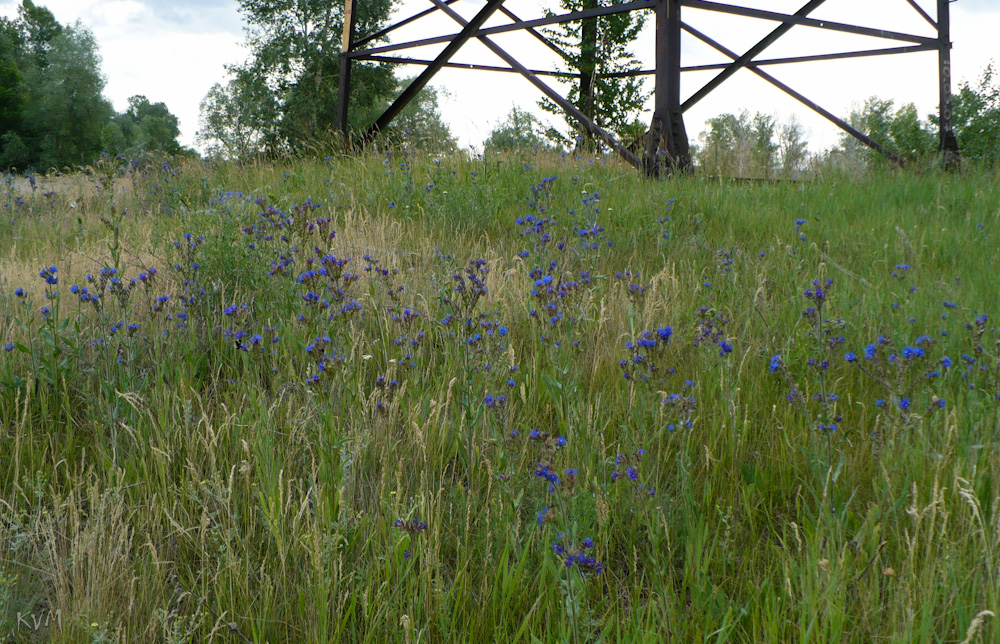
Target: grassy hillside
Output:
{"points": [[523, 400]]}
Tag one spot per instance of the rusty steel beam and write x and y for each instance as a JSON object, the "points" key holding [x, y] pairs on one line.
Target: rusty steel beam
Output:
{"points": [[764, 62], [909, 49], [421, 80], [553, 95], [836, 120]]}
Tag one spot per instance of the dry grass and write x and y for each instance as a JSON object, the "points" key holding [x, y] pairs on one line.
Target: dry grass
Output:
{"points": [[172, 488]]}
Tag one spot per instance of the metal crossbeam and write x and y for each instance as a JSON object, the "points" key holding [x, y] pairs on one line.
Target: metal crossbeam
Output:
{"points": [[865, 53], [751, 53], [836, 120], [382, 33], [553, 95], [469, 66], [764, 62], [667, 126], [421, 81], [807, 22], [527, 24]]}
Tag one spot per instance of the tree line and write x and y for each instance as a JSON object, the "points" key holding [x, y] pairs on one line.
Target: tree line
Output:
{"points": [[282, 99], [53, 112]]}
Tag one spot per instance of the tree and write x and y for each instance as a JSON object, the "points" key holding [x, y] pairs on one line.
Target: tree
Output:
{"points": [[13, 152], [66, 110], [739, 145], [12, 94], [420, 124], [593, 49], [285, 95], [520, 130], [793, 150], [976, 118], [239, 119], [143, 127], [898, 130], [39, 29], [53, 112]]}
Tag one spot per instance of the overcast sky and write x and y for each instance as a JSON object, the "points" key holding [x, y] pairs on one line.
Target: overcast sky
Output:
{"points": [[174, 50]]}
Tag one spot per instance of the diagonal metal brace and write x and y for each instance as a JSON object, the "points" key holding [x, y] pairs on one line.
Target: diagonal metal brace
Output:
{"points": [[382, 33], [610, 10], [836, 120], [923, 14], [421, 81], [553, 95]]}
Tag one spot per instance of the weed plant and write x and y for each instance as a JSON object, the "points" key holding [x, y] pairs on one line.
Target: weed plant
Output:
{"points": [[521, 399]]}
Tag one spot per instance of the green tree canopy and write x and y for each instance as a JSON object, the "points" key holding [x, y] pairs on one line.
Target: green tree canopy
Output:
{"points": [[420, 124], [739, 145], [239, 119], [976, 115], [520, 130], [284, 97], [66, 111], [898, 130], [143, 127], [39, 29], [53, 113], [593, 49]]}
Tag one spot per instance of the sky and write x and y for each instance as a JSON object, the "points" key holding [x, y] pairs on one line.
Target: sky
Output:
{"points": [[174, 51]]}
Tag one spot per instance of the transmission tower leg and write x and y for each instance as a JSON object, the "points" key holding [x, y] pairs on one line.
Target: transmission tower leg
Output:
{"points": [[948, 141], [344, 82], [667, 146]]}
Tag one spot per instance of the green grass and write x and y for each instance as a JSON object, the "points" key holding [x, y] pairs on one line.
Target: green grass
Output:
{"points": [[162, 485]]}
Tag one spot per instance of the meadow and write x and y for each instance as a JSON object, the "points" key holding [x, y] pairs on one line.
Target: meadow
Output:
{"points": [[522, 399]]}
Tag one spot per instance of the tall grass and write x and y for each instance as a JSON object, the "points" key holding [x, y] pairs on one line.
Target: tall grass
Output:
{"points": [[372, 470]]}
